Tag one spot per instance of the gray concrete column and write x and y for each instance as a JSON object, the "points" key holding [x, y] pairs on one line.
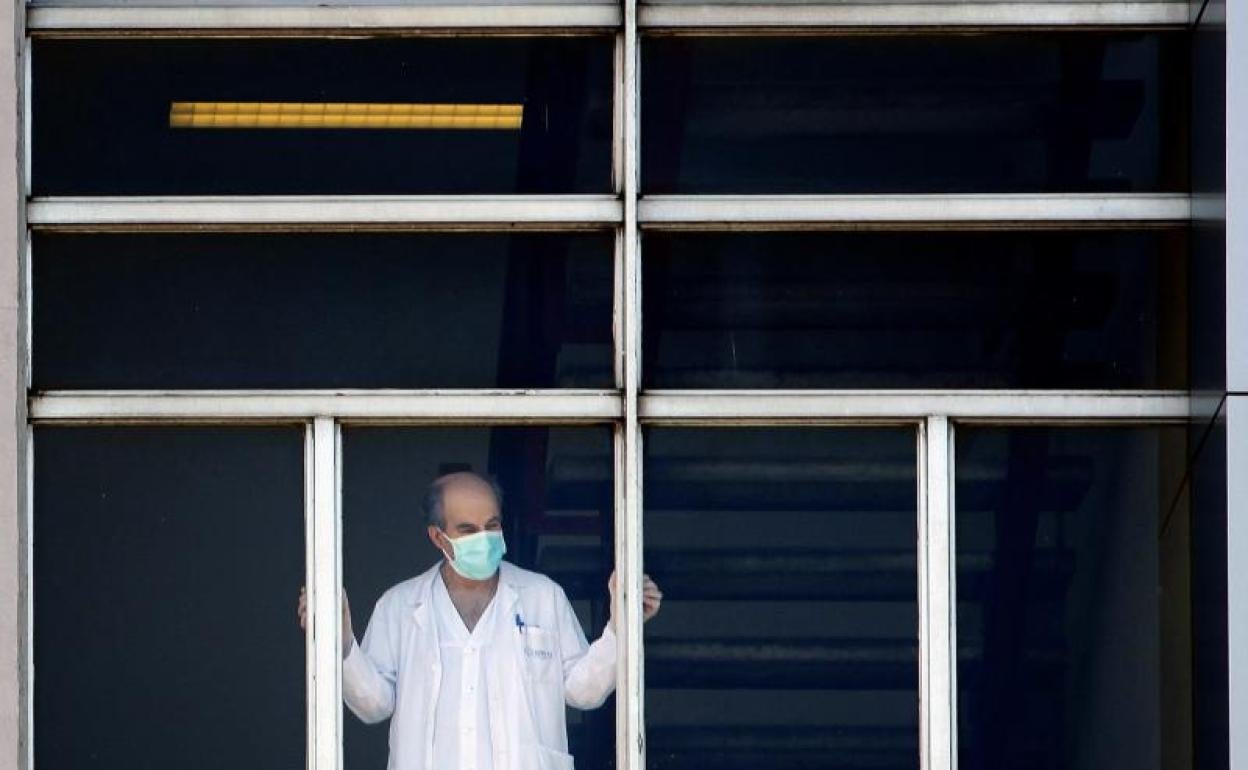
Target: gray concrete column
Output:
{"points": [[12, 391]]}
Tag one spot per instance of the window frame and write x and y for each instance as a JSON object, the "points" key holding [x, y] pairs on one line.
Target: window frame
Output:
{"points": [[934, 414]]}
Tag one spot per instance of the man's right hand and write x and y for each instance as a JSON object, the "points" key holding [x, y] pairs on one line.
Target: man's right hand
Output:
{"points": [[348, 636]]}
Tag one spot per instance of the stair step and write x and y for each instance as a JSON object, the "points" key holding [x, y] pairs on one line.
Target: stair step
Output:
{"points": [[814, 664], [812, 574]]}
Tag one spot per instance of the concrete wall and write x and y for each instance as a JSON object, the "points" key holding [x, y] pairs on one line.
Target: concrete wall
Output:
{"points": [[1233, 16], [12, 388]]}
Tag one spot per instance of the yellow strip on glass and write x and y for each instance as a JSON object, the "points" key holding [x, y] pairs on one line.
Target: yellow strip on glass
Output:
{"points": [[343, 115]]}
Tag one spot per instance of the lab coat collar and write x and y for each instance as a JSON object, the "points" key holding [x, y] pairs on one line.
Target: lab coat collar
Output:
{"points": [[508, 592]]}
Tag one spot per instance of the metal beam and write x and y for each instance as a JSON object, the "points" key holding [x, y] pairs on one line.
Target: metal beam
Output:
{"points": [[368, 210], [885, 406], [286, 19], [597, 406], [682, 211], [762, 16], [585, 17], [445, 406]]}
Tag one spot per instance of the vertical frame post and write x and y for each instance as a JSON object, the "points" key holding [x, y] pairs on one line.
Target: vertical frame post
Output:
{"points": [[937, 632], [630, 714], [324, 586]]}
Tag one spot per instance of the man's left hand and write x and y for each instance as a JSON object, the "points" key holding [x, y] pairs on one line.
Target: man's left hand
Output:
{"points": [[651, 598]]}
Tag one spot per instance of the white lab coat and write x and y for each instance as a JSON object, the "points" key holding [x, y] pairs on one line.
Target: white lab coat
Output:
{"points": [[395, 671]]}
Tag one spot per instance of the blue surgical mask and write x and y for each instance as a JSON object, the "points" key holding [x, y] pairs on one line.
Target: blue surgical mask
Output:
{"points": [[477, 555]]}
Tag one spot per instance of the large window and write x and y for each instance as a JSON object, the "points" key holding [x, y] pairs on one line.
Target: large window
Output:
{"points": [[1072, 579], [165, 559], [790, 559], [864, 335], [323, 310], [1004, 112], [330, 117]]}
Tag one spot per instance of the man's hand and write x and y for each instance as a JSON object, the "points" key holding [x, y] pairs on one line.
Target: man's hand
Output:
{"points": [[348, 636], [651, 598]]}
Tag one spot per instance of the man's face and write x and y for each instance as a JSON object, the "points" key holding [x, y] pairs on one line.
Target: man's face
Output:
{"points": [[468, 506]]}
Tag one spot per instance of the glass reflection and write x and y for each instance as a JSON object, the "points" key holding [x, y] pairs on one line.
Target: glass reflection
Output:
{"points": [[1073, 622], [788, 635], [165, 560], [118, 116], [986, 112], [1038, 309], [322, 310]]}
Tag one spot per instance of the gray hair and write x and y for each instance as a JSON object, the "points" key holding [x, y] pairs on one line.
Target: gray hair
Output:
{"points": [[431, 504]]}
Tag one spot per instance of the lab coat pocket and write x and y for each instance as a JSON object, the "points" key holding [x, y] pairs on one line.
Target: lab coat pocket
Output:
{"points": [[546, 759], [540, 653]]}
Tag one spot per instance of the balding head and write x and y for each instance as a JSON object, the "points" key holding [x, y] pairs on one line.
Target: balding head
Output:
{"points": [[464, 495]]}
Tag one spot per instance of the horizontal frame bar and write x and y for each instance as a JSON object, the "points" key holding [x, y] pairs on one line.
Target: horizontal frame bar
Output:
{"points": [[855, 406], [656, 212], [433, 406], [598, 406], [727, 16], [366, 210], [684, 211], [286, 18]]}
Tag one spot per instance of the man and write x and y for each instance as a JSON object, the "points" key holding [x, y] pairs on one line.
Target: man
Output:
{"points": [[474, 660]]}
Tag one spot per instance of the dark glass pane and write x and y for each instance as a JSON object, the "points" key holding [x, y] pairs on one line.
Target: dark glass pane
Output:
{"points": [[322, 310], [1209, 532], [1074, 613], [1059, 112], [167, 562], [103, 111], [788, 633], [1042, 309], [557, 519]]}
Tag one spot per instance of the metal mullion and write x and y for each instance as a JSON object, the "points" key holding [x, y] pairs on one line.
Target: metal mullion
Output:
{"points": [[310, 584], [617, 312], [937, 641], [27, 114], [322, 211], [618, 104], [324, 596], [525, 18], [630, 703], [970, 209]]}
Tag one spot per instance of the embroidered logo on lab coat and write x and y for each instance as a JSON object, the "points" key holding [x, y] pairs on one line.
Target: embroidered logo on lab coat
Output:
{"points": [[541, 654]]}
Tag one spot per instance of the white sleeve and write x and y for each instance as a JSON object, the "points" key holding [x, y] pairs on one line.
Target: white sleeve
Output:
{"points": [[588, 669], [370, 670]]}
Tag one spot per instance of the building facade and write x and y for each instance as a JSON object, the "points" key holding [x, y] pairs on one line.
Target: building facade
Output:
{"points": [[902, 343]]}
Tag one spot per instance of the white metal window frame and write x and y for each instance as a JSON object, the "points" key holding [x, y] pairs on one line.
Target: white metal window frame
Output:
{"points": [[556, 16], [932, 413]]}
